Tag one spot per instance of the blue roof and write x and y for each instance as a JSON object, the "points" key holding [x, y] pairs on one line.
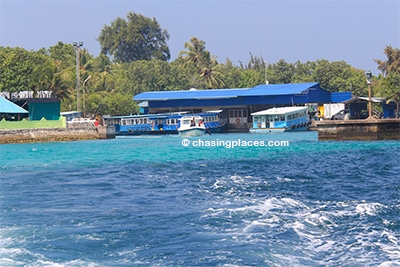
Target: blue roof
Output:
{"points": [[279, 89], [189, 94], [260, 90], [340, 96], [7, 106]]}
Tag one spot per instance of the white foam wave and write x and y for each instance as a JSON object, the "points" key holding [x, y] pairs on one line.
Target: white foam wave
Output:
{"points": [[318, 229], [369, 208]]}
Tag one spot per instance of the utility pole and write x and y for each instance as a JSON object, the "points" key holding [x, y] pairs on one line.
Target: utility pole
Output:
{"points": [[77, 47]]}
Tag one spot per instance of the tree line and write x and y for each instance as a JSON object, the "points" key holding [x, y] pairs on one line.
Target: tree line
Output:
{"points": [[135, 58]]}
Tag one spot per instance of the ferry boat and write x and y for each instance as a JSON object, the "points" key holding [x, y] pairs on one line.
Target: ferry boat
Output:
{"points": [[162, 123], [280, 119], [191, 126]]}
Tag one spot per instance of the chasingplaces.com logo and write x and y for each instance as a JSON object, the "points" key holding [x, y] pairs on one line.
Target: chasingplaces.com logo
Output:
{"points": [[233, 143]]}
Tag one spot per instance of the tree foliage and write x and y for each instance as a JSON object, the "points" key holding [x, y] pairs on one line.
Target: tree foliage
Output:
{"points": [[388, 86], [137, 38], [392, 63], [135, 60], [200, 64]]}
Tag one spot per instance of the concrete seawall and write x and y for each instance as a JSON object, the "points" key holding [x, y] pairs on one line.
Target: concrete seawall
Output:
{"points": [[374, 129], [15, 136]]}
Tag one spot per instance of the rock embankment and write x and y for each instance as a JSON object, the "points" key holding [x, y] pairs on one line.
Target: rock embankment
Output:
{"points": [[17, 136]]}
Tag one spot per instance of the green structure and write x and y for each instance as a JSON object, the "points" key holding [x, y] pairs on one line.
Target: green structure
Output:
{"points": [[48, 108], [38, 124], [43, 113]]}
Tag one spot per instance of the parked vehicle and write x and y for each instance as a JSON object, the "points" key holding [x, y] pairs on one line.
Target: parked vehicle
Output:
{"points": [[344, 114]]}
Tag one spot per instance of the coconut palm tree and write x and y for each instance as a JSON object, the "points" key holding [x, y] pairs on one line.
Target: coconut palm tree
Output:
{"points": [[392, 64], [195, 51], [196, 55]]}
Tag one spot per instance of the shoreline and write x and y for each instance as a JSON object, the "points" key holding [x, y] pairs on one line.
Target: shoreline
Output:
{"points": [[21, 136]]}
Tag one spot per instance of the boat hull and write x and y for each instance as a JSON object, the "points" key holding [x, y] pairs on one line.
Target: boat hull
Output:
{"points": [[146, 132], [192, 132], [276, 130]]}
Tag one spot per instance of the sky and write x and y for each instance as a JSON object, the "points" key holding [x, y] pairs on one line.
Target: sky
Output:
{"points": [[356, 31]]}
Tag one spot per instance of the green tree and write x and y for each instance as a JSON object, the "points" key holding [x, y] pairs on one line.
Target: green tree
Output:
{"points": [[15, 69], [231, 74], [281, 72], [113, 104], [43, 72], [335, 76], [102, 78], [63, 83], [389, 88], [137, 38], [63, 54], [207, 67], [392, 63]]}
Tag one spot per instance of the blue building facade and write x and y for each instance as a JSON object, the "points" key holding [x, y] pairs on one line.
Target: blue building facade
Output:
{"points": [[236, 105]]}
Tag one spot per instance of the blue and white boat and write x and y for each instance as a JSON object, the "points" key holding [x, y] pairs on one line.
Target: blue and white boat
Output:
{"points": [[191, 126], [159, 124], [151, 124], [280, 119], [212, 121]]}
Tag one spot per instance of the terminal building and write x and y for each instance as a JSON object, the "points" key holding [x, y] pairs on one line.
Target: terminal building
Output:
{"points": [[236, 105]]}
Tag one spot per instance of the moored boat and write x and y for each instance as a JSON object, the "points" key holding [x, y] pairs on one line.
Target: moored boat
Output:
{"points": [[162, 123], [191, 126], [280, 119]]}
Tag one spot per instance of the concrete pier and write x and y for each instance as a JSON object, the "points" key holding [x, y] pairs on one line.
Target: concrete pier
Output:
{"points": [[369, 129], [15, 136]]}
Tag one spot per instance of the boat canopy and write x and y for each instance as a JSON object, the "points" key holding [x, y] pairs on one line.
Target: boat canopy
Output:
{"points": [[279, 111]]}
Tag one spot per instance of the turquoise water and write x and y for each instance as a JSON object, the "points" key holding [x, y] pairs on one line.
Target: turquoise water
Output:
{"points": [[150, 201]]}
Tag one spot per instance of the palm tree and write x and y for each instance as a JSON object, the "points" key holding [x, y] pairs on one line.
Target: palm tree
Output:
{"points": [[392, 64], [391, 89], [212, 77], [207, 69], [195, 51]]}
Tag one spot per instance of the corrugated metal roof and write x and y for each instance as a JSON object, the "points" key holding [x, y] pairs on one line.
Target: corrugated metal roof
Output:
{"points": [[279, 89], [7, 106], [260, 90], [188, 94]]}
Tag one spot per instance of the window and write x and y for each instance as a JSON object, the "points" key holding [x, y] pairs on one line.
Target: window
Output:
{"points": [[237, 113]]}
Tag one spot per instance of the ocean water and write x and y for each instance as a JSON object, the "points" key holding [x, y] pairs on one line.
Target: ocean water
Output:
{"points": [[151, 201]]}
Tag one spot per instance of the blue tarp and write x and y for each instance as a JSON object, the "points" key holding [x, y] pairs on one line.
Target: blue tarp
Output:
{"points": [[7, 106]]}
